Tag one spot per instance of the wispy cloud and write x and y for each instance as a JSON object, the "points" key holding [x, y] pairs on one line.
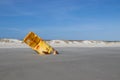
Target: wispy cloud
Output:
{"points": [[6, 2], [11, 8], [11, 29], [54, 8]]}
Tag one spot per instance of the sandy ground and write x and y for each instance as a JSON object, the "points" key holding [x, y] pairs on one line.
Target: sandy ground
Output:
{"points": [[70, 64]]}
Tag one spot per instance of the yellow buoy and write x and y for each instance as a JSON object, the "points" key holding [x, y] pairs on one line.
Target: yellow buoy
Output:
{"points": [[38, 44]]}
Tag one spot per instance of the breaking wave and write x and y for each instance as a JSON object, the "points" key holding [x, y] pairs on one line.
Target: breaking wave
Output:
{"points": [[14, 43], [84, 43]]}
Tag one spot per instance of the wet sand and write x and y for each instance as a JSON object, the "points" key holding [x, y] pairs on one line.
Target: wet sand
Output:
{"points": [[70, 64]]}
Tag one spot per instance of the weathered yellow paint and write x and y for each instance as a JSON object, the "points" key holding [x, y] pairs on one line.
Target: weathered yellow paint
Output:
{"points": [[38, 44]]}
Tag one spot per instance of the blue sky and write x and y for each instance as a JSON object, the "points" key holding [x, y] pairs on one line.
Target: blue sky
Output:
{"points": [[61, 19]]}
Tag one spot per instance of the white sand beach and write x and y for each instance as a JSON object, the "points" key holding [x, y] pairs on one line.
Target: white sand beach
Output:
{"points": [[73, 63], [78, 60]]}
